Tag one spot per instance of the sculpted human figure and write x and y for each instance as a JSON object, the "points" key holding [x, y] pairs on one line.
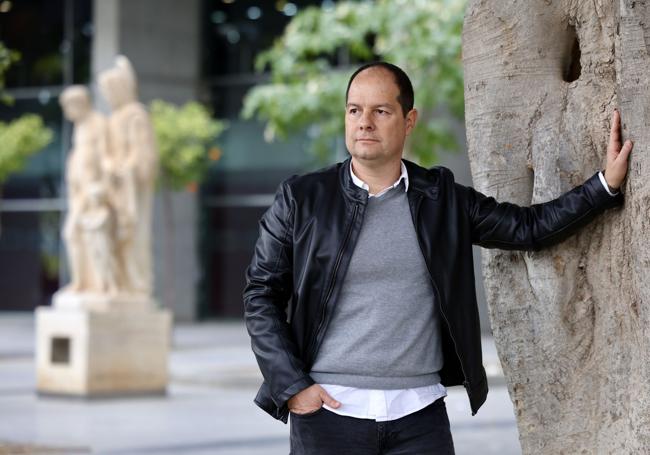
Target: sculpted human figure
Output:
{"points": [[132, 166], [83, 168], [98, 225]]}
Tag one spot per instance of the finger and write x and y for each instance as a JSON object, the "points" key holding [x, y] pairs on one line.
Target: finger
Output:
{"points": [[615, 129], [328, 400]]}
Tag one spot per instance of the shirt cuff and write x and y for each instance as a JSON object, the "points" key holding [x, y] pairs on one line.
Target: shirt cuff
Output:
{"points": [[604, 182]]}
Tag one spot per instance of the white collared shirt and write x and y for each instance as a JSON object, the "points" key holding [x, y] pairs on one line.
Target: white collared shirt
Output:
{"points": [[361, 184]]}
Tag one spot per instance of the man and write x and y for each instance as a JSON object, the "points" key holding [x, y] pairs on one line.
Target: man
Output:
{"points": [[360, 298]]}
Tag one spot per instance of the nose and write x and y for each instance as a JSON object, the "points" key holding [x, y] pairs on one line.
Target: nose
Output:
{"points": [[365, 122]]}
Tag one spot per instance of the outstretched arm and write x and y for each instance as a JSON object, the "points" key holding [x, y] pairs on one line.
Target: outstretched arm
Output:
{"points": [[509, 226]]}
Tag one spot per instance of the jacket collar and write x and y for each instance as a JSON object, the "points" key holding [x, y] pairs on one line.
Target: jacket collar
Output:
{"points": [[350, 189], [422, 180]]}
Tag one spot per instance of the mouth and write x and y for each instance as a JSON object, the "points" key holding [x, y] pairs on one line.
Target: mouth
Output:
{"points": [[366, 139]]}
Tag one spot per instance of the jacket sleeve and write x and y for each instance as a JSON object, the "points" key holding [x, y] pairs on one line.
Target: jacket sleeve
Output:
{"points": [[266, 295], [511, 227]]}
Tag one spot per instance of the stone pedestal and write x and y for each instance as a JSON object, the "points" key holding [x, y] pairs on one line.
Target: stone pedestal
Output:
{"points": [[101, 350]]}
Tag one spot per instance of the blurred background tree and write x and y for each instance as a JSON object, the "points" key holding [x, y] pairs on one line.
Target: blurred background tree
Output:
{"points": [[307, 89], [186, 138], [19, 138]]}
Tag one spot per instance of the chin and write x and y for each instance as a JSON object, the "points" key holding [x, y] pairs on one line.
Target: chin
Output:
{"points": [[365, 155]]}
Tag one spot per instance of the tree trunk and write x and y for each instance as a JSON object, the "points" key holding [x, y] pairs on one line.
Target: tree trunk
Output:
{"points": [[572, 322]]}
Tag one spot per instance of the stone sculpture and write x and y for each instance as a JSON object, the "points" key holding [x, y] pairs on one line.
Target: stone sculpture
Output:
{"points": [[117, 160], [83, 169], [132, 163], [104, 334], [98, 225]]}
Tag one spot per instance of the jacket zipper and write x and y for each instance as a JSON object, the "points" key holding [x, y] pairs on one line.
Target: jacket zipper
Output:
{"points": [[330, 289], [435, 287]]}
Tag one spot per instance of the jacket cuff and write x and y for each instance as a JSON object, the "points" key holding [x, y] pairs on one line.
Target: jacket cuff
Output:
{"points": [[601, 195], [601, 176], [300, 384]]}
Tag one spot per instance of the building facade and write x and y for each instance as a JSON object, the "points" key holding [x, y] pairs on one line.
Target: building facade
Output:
{"points": [[181, 51], [192, 50]]}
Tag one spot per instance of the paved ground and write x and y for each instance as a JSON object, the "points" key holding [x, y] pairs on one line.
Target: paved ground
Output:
{"points": [[208, 408]]}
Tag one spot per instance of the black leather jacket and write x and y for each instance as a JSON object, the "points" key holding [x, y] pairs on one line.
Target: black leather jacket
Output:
{"points": [[306, 240]]}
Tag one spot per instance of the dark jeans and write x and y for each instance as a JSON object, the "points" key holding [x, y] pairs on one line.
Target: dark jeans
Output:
{"points": [[324, 432]]}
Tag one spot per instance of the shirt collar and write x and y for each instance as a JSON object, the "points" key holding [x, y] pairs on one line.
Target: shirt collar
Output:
{"points": [[361, 184]]}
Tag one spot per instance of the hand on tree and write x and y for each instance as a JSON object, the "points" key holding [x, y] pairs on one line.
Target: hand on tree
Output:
{"points": [[311, 400], [617, 154]]}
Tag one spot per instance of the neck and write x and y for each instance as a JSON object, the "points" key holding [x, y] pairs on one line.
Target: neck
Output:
{"points": [[377, 177]]}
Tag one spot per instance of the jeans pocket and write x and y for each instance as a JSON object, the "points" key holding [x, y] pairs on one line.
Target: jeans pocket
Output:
{"points": [[309, 414]]}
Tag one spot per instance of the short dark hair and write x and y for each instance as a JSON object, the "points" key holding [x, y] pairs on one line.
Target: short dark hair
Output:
{"points": [[406, 96]]}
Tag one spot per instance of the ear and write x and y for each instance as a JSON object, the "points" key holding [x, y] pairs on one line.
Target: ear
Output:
{"points": [[411, 118]]}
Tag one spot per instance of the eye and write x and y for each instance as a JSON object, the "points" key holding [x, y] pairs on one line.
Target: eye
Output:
{"points": [[382, 112], [353, 110]]}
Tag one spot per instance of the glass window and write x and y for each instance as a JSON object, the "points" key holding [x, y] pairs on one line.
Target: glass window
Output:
{"points": [[53, 38], [238, 30], [29, 256], [241, 185], [36, 28]]}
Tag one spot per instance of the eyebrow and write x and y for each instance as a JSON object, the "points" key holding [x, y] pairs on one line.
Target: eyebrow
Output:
{"points": [[389, 106]]}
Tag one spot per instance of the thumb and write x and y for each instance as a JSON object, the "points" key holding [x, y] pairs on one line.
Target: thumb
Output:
{"points": [[625, 151], [328, 400]]}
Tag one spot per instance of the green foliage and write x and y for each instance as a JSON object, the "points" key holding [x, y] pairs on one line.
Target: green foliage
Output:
{"points": [[306, 92], [184, 136], [20, 138], [7, 57]]}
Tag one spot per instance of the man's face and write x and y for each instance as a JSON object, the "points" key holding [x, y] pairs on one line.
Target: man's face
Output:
{"points": [[375, 126]]}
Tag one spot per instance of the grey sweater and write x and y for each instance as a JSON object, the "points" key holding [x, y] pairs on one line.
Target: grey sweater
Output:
{"points": [[384, 331]]}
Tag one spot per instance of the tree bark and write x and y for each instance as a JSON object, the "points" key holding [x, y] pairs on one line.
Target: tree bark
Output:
{"points": [[571, 322]]}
